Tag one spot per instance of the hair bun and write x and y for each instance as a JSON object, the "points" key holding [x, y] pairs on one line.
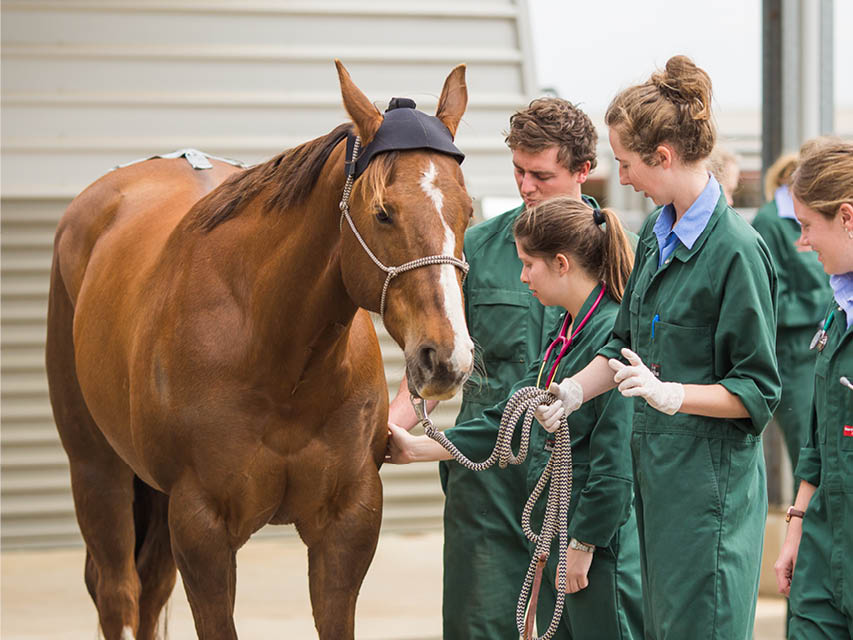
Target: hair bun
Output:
{"points": [[683, 83]]}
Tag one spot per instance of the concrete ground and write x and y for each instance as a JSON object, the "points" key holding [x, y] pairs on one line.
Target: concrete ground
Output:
{"points": [[42, 595]]}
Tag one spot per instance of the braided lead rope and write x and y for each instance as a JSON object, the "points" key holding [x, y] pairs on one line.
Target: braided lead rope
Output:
{"points": [[559, 469], [392, 272], [559, 472], [523, 402]]}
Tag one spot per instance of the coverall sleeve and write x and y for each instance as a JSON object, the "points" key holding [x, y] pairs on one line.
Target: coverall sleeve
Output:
{"points": [[808, 465], [773, 238], [745, 337], [604, 504]]}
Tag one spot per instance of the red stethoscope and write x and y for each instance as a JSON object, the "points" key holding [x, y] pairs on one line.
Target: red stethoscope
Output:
{"points": [[565, 342]]}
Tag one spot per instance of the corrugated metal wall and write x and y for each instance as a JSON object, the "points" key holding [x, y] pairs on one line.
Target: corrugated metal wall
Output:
{"points": [[87, 84]]}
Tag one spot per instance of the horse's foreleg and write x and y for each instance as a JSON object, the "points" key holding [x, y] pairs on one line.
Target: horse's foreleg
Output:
{"points": [[339, 552], [207, 562]]}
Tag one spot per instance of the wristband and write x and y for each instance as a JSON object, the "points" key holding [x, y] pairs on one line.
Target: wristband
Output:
{"points": [[793, 513], [574, 543]]}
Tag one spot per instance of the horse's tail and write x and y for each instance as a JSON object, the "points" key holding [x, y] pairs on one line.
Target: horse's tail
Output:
{"points": [[154, 561]]}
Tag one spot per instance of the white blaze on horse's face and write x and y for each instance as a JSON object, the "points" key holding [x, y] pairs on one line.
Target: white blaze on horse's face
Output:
{"points": [[127, 633], [463, 348]]}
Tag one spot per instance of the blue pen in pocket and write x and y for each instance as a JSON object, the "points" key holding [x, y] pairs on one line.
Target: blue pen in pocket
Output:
{"points": [[655, 367]]}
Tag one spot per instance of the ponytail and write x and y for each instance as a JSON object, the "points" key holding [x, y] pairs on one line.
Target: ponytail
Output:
{"points": [[618, 257]]}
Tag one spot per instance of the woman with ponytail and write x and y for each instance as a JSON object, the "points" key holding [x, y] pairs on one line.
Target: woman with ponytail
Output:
{"points": [[694, 345], [578, 258]]}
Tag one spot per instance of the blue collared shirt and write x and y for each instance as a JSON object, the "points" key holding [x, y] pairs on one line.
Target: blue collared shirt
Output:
{"points": [[785, 203], [692, 223], [842, 287]]}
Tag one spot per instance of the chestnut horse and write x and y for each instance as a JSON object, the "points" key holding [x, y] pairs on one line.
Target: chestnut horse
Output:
{"points": [[212, 369]]}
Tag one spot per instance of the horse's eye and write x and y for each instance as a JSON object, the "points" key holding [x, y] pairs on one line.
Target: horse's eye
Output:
{"points": [[383, 215]]}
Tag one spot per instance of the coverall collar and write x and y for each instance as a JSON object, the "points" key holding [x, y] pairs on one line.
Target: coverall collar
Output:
{"points": [[590, 300], [682, 252], [586, 306], [785, 203], [842, 288], [694, 220]]}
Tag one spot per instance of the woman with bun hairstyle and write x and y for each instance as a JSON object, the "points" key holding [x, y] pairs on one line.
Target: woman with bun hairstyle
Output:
{"points": [[578, 258], [815, 566], [803, 290], [693, 343]]}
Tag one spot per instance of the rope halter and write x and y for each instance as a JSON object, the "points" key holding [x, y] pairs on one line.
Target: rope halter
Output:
{"points": [[392, 272]]}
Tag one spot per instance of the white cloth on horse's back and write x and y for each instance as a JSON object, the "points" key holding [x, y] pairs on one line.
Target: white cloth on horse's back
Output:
{"points": [[197, 159]]}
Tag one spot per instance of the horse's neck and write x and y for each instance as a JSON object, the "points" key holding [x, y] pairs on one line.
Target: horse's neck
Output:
{"points": [[298, 297]]}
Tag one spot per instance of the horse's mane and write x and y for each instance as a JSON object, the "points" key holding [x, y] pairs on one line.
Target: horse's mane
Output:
{"points": [[294, 172]]}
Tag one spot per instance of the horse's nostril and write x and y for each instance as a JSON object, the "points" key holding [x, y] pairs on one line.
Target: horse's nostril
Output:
{"points": [[428, 358]]}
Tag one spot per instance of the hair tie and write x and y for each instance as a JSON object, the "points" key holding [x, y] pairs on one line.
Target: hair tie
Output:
{"points": [[598, 217]]}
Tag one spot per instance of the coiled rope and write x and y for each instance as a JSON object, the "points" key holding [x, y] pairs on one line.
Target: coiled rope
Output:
{"points": [[558, 470]]}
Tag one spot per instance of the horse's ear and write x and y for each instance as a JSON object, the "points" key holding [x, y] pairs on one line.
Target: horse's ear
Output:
{"points": [[366, 117], [453, 100]]}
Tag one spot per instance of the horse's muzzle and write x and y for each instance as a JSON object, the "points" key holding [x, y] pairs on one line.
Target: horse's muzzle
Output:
{"points": [[434, 373]]}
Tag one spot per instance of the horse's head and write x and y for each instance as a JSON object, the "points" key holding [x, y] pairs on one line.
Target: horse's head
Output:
{"points": [[410, 202]]}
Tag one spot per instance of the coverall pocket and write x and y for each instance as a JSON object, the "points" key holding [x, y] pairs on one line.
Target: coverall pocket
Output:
{"points": [[499, 323], [845, 405], [846, 586], [714, 449], [846, 435], [820, 387], [683, 354], [634, 308]]}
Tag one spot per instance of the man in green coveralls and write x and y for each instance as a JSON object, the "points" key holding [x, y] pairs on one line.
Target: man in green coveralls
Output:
{"points": [[486, 554]]}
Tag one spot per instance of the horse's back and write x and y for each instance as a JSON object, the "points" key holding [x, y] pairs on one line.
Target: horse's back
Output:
{"points": [[140, 203]]}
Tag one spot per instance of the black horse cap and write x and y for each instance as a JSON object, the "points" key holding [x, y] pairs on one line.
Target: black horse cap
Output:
{"points": [[404, 127]]}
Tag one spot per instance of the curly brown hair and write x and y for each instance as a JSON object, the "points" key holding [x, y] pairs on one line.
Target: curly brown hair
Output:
{"points": [[673, 106], [554, 122]]}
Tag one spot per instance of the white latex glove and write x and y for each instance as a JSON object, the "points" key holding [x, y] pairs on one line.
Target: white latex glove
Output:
{"points": [[637, 380], [569, 396], [549, 415]]}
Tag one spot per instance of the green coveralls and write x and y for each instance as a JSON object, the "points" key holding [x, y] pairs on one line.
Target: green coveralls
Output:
{"points": [[601, 509], [485, 552], [700, 485], [803, 287], [822, 588]]}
